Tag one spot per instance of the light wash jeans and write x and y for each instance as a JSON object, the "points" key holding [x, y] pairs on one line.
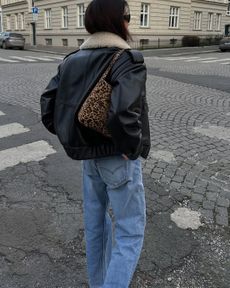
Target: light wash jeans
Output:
{"points": [[111, 261]]}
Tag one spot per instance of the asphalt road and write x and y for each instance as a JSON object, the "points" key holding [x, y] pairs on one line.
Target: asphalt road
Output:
{"points": [[186, 176]]}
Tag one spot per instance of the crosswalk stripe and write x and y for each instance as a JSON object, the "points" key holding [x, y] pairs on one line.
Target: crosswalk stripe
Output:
{"points": [[34, 151], [200, 59], [8, 60], [22, 58], [39, 58], [1, 113], [12, 129], [193, 60], [182, 58], [55, 57], [216, 60]]}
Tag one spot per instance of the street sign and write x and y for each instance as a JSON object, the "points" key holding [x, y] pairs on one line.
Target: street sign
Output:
{"points": [[35, 10], [35, 16]]}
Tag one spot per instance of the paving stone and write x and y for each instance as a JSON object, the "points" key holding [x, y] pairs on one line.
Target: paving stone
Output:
{"points": [[186, 192], [197, 197], [220, 220], [199, 190], [165, 179], [213, 187], [158, 170], [194, 205], [225, 194], [211, 196], [176, 185], [178, 179], [222, 211], [162, 164], [208, 205], [223, 202], [156, 175], [207, 214]]}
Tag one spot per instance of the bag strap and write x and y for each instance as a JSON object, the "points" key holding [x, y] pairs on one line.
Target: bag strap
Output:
{"points": [[114, 59]]}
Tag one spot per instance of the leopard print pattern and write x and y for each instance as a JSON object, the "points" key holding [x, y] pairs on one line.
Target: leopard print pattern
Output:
{"points": [[94, 111]]}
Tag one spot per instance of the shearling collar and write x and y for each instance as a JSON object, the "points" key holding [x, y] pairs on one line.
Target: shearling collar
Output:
{"points": [[104, 39]]}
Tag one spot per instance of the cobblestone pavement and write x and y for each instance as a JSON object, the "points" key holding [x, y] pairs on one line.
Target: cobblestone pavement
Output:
{"points": [[185, 156], [188, 166]]}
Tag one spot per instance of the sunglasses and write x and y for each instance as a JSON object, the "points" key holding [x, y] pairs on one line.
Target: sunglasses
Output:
{"points": [[127, 17]]}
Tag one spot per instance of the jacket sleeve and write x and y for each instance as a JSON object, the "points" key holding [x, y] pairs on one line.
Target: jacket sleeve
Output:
{"points": [[47, 103], [126, 107]]}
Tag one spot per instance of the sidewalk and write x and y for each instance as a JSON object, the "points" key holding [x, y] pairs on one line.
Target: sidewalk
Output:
{"points": [[147, 53]]}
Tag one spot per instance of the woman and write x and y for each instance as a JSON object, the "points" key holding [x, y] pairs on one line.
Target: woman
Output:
{"points": [[112, 175]]}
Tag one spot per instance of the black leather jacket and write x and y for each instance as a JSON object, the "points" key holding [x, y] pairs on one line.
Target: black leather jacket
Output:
{"points": [[128, 115]]}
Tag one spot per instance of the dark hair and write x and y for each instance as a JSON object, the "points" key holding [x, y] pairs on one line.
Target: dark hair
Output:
{"points": [[107, 16]]}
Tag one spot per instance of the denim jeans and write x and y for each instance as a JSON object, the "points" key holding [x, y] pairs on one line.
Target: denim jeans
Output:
{"points": [[117, 183]]}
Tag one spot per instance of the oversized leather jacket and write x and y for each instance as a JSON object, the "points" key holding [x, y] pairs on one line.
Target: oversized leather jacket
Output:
{"points": [[128, 114]]}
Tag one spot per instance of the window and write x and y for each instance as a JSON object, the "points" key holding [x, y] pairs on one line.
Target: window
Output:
{"points": [[210, 21], [197, 20], [144, 17], [80, 42], [218, 21], [64, 42], [144, 43], [16, 19], [174, 17], [8, 26], [47, 18], [48, 41], [65, 17], [80, 15], [22, 21]]}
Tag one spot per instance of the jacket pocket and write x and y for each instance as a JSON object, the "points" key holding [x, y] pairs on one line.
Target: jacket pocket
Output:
{"points": [[114, 171]]}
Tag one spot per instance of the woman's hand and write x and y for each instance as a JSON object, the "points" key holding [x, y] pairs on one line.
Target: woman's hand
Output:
{"points": [[125, 157]]}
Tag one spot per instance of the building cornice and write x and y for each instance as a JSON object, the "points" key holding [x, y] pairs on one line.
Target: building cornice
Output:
{"points": [[14, 3], [212, 2]]}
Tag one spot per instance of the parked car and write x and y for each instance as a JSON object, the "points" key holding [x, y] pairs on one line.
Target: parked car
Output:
{"points": [[12, 40], [225, 44]]}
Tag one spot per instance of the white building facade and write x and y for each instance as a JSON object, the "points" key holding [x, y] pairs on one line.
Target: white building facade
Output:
{"points": [[61, 23], [1, 20]]}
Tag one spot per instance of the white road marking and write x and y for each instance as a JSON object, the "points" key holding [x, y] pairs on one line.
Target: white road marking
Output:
{"points": [[180, 58], [23, 59], [35, 151], [227, 63], [1, 113], [55, 57], [12, 129], [8, 60], [186, 53], [40, 58], [201, 59], [222, 133], [216, 60]]}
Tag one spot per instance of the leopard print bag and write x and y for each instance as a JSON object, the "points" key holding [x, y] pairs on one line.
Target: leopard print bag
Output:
{"points": [[93, 113]]}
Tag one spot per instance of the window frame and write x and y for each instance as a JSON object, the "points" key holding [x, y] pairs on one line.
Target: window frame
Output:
{"points": [[174, 18], [210, 21], [16, 21], [65, 17], [218, 21], [48, 18], [80, 15], [197, 23], [8, 22], [145, 15], [22, 21]]}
